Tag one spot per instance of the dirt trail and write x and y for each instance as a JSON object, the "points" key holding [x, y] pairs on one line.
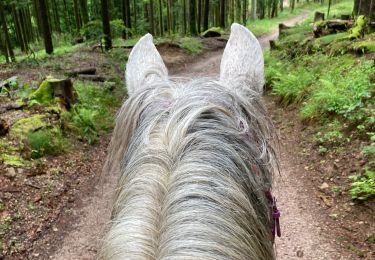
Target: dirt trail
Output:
{"points": [[302, 236]]}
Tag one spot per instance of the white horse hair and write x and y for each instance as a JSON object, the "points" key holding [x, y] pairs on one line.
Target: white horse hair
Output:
{"points": [[195, 160]]}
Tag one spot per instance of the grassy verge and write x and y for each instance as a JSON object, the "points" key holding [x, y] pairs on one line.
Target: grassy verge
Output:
{"points": [[331, 82]]}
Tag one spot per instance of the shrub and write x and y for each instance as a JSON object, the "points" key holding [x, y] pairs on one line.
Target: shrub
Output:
{"points": [[46, 142], [363, 187], [93, 113], [293, 87], [192, 45], [93, 30]]}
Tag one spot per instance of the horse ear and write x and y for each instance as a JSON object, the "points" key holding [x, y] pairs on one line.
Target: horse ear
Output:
{"points": [[145, 65], [243, 59]]}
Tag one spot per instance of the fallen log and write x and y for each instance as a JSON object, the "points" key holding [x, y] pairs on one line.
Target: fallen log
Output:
{"points": [[96, 78], [97, 46], [11, 106], [326, 27], [86, 71]]}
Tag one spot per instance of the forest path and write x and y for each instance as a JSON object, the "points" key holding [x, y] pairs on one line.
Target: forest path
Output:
{"points": [[302, 236]]}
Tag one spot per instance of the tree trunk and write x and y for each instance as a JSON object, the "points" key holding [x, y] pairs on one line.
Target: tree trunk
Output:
{"points": [[8, 45], [106, 25], [56, 17], [206, 14], [67, 21], [152, 22], [222, 13], [192, 16], [36, 14], [184, 18], [169, 22], [77, 16], [199, 15], [17, 28], [84, 11], [161, 17], [135, 12], [46, 26], [244, 12], [3, 49], [254, 9], [366, 8]]}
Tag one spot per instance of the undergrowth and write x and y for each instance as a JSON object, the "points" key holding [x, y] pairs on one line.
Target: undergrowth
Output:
{"points": [[94, 111], [47, 142], [330, 80]]}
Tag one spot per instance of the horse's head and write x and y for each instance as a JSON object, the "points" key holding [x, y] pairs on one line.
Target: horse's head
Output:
{"points": [[242, 62]]}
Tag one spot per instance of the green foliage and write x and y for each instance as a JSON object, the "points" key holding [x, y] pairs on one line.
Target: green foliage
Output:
{"points": [[217, 30], [12, 160], [82, 122], [340, 93], [334, 137], [47, 142], [192, 45], [337, 189], [44, 93], [5, 224], [293, 87], [22, 127], [363, 186], [93, 113], [359, 28], [93, 30]]}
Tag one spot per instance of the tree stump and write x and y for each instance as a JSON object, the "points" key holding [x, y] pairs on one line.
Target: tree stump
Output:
{"points": [[273, 45], [51, 88], [64, 90], [318, 16], [4, 127], [282, 28]]}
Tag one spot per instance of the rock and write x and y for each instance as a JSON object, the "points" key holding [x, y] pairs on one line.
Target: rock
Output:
{"points": [[10, 173], [324, 186]]}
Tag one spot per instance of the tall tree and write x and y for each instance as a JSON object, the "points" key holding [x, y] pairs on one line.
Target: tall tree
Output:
{"points": [[152, 22], [199, 15], [254, 9], [77, 15], [46, 29], [192, 16], [169, 17], [244, 12], [366, 8], [7, 43], [161, 17], [206, 14], [184, 19], [106, 25], [84, 11], [222, 13]]}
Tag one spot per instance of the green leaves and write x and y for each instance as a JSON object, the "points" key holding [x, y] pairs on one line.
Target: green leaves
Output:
{"points": [[363, 186]]}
